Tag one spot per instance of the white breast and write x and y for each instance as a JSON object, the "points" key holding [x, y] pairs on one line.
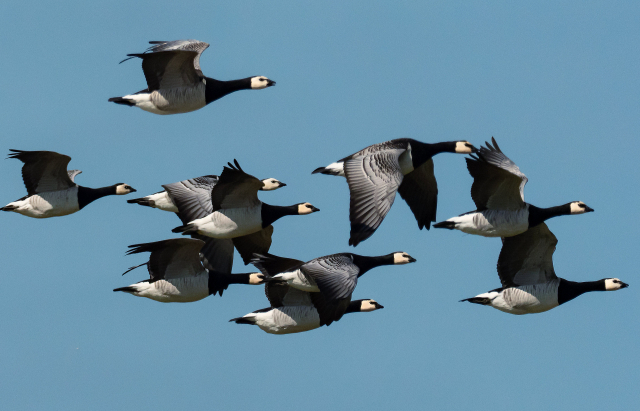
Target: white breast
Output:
{"points": [[528, 299], [176, 290], [494, 223], [179, 99], [287, 320], [406, 162], [230, 223], [49, 204], [297, 279]]}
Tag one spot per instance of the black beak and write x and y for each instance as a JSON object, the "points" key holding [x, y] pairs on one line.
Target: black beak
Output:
{"points": [[588, 209], [473, 149], [313, 209], [133, 190], [281, 184], [624, 285], [378, 306], [270, 83], [412, 260]]}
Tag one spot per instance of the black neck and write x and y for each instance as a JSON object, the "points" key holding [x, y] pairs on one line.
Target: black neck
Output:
{"points": [[270, 213], [367, 263], [88, 195], [539, 215], [568, 290], [354, 307], [422, 152], [215, 89], [218, 282]]}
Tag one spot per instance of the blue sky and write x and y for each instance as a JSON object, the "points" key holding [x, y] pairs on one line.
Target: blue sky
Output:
{"points": [[556, 83]]}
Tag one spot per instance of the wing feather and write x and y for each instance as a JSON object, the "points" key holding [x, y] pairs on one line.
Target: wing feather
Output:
{"points": [[43, 170], [420, 190]]}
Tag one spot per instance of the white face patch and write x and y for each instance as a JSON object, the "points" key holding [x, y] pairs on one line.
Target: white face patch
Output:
{"points": [[368, 306], [306, 208], [270, 184], [578, 207], [613, 284], [260, 82], [256, 278], [462, 147], [122, 189], [402, 258]]}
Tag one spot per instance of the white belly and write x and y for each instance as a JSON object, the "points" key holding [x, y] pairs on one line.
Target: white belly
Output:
{"points": [[287, 320], [230, 223], [298, 280], [49, 204], [493, 223], [176, 290], [528, 299]]}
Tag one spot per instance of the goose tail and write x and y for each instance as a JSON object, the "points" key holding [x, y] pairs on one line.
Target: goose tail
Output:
{"points": [[123, 101]]}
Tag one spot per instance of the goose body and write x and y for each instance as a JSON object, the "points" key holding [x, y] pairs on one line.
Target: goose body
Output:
{"points": [[233, 211], [176, 83], [181, 270], [529, 282], [293, 310], [52, 191], [377, 172], [498, 192], [198, 190]]}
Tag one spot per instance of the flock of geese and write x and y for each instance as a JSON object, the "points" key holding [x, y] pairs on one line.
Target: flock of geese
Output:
{"points": [[222, 213]]}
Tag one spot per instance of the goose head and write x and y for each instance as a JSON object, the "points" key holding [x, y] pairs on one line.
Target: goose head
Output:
{"points": [[260, 82], [464, 147], [613, 284], [402, 258], [369, 305], [270, 184], [578, 207], [122, 189], [306, 208]]}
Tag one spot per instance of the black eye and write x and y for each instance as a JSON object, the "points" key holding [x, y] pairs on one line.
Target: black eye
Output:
{"points": [[308, 206], [616, 281], [583, 205], [127, 187], [263, 79]]}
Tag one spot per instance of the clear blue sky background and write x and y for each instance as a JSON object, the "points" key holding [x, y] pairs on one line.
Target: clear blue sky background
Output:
{"points": [[555, 82]]}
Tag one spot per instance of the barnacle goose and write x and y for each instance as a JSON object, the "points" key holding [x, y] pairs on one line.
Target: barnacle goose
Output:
{"points": [[201, 186], [375, 173], [177, 273], [51, 190], [529, 282], [498, 191], [176, 83], [293, 310], [235, 212]]}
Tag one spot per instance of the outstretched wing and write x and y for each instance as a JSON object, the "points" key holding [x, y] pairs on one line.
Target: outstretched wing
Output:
{"points": [[235, 188], [192, 197], [171, 64], [335, 275], [175, 258], [498, 183], [527, 258], [420, 190], [373, 182], [43, 170], [271, 265]]}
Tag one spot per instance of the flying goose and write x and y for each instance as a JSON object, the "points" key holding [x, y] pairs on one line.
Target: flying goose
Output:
{"points": [[375, 173], [176, 83], [294, 311], [333, 276], [200, 187], [498, 191], [529, 282], [177, 274], [51, 190], [235, 213]]}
